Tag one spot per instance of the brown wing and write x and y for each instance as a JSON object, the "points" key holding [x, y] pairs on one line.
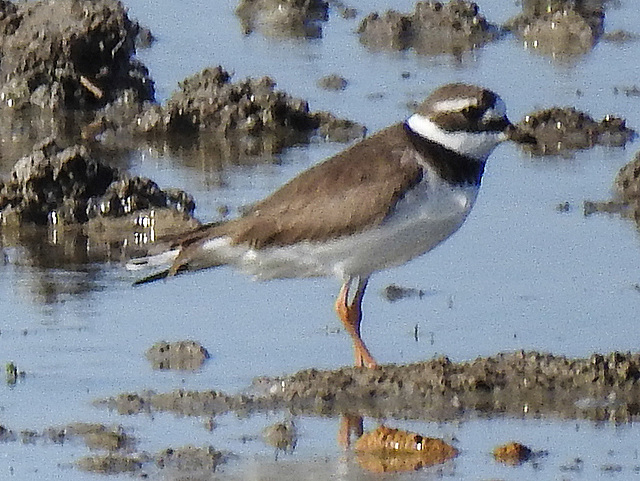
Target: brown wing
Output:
{"points": [[351, 191]]}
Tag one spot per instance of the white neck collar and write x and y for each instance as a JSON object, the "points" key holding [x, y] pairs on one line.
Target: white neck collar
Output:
{"points": [[477, 145]]}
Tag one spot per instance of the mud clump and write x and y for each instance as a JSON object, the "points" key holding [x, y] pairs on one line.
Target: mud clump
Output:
{"points": [[95, 436], [433, 28], [560, 130], [6, 435], [244, 118], [188, 462], [394, 293], [67, 186], [283, 18], [626, 201], [118, 451], [561, 28], [282, 436], [190, 459], [333, 82], [70, 54], [111, 463], [627, 181], [181, 355], [512, 453], [393, 450]]}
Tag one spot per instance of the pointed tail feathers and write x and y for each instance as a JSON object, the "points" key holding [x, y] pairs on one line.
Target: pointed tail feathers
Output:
{"points": [[164, 259]]}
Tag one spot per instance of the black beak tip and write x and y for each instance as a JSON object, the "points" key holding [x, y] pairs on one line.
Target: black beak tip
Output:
{"points": [[518, 135]]}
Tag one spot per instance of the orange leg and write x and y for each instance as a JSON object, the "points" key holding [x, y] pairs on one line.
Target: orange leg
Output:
{"points": [[350, 313]]}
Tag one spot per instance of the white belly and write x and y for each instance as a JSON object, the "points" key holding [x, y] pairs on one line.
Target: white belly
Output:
{"points": [[422, 220]]}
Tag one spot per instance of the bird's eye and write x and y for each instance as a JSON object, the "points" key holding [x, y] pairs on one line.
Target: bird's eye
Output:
{"points": [[471, 112]]}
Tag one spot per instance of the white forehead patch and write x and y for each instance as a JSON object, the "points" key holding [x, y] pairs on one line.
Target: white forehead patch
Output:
{"points": [[455, 105], [477, 145], [497, 112]]}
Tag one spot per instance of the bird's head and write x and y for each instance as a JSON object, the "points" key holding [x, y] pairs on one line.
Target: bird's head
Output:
{"points": [[466, 119]]}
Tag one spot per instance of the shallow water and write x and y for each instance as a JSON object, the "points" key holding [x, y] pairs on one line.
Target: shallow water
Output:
{"points": [[519, 274]]}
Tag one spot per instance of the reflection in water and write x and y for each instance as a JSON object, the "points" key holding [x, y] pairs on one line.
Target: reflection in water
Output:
{"points": [[66, 262], [385, 450], [350, 425], [558, 28]]}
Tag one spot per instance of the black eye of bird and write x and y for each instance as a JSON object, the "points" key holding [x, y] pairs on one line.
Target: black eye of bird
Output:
{"points": [[471, 113]]}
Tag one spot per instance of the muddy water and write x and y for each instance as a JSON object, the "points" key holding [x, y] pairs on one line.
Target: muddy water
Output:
{"points": [[520, 275]]}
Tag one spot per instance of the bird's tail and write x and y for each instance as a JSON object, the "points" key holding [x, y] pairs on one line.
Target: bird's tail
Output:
{"points": [[153, 277], [174, 261], [164, 259]]}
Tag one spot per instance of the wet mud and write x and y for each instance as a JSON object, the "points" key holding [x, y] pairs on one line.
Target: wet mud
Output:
{"points": [[626, 199], [520, 384], [180, 355], [94, 436], [562, 130], [76, 102], [113, 450], [70, 54], [289, 18], [239, 119], [333, 82], [68, 186], [186, 462], [66, 206], [433, 28], [561, 28], [281, 436], [394, 293]]}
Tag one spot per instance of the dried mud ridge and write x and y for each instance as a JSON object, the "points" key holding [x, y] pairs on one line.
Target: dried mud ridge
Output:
{"points": [[521, 384]]}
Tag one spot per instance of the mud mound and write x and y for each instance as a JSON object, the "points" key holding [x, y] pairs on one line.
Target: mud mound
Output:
{"points": [[561, 130], [627, 182], [519, 384], [70, 54], [248, 117], [67, 186], [627, 194], [180, 355], [433, 28], [283, 18], [559, 28]]}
